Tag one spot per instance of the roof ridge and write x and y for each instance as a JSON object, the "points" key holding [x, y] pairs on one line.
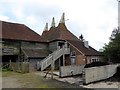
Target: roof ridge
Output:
{"points": [[81, 47], [9, 22], [31, 30], [18, 31]]}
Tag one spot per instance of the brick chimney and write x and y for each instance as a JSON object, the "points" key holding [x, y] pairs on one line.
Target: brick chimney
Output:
{"points": [[86, 44]]}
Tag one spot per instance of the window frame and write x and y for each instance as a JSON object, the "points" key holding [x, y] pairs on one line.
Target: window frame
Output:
{"points": [[94, 59], [73, 54]]}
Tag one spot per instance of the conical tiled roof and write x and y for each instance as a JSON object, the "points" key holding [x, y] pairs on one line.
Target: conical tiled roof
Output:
{"points": [[60, 32], [53, 22]]}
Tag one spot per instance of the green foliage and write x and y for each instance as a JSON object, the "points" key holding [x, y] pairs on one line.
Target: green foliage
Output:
{"points": [[6, 67], [112, 50]]}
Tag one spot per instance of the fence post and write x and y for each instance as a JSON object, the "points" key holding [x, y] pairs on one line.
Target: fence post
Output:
{"points": [[11, 66]]}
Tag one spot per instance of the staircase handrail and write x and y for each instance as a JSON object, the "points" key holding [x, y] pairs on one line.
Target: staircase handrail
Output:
{"points": [[53, 56]]}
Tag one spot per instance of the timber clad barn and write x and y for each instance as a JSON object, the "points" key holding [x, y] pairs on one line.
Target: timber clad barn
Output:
{"points": [[58, 45]]}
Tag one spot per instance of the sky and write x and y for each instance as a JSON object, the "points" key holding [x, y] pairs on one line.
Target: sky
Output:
{"points": [[94, 19]]}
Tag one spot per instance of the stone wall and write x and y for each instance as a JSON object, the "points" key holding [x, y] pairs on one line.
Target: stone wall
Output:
{"points": [[71, 70], [99, 73]]}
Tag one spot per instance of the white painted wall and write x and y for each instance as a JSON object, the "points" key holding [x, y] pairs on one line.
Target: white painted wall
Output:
{"points": [[71, 70], [99, 73]]}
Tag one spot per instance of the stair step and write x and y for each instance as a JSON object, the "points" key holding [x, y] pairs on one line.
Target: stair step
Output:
{"points": [[54, 56]]}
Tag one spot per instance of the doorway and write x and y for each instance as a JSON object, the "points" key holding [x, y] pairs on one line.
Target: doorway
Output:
{"points": [[60, 44]]}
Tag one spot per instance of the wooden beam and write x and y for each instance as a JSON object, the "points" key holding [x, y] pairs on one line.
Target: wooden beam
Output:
{"points": [[52, 68]]}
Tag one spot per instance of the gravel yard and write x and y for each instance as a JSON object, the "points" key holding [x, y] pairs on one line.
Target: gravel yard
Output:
{"points": [[31, 80], [37, 80]]}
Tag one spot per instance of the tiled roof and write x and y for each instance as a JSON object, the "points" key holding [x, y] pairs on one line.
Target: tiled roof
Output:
{"points": [[59, 32], [36, 53], [80, 46], [62, 33], [17, 31], [46, 35]]}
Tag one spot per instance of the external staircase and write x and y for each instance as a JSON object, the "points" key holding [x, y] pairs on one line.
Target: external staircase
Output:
{"points": [[52, 57]]}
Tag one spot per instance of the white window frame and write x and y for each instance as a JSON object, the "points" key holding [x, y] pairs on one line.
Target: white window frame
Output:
{"points": [[73, 54], [73, 60], [94, 59], [73, 57]]}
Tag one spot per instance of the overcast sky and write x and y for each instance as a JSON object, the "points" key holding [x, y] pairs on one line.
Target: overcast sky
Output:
{"points": [[95, 19]]}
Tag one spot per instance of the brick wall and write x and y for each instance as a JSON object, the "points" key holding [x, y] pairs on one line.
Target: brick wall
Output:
{"points": [[80, 59]]}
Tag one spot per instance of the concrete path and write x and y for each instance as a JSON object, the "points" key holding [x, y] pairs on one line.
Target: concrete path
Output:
{"points": [[78, 81], [103, 84], [72, 80]]}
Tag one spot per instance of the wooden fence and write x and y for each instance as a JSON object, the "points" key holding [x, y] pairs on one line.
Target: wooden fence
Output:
{"points": [[22, 67]]}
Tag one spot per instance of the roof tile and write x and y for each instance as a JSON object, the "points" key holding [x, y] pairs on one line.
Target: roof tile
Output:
{"points": [[87, 51], [59, 32], [17, 31]]}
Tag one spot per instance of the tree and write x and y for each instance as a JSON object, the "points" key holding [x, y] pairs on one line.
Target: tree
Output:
{"points": [[112, 50]]}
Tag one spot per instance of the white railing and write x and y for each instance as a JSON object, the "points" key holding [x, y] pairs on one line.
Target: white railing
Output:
{"points": [[54, 56]]}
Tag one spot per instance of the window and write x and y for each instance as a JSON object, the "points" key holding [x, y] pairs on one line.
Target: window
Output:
{"points": [[73, 54], [94, 59], [60, 44], [97, 60], [73, 57], [72, 61]]}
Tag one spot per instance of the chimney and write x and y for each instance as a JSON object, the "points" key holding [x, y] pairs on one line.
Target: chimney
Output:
{"points": [[46, 27], [86, 44], [62, 20], [53, 22]]}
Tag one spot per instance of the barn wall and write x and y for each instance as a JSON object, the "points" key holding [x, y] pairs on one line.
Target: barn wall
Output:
{"points": [[33, 64], [53, 46], [10, 47], [34, 45]]}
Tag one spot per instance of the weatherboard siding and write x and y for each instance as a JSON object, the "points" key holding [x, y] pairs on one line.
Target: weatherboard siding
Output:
{"points": [[53, 46], [34, 45]]}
